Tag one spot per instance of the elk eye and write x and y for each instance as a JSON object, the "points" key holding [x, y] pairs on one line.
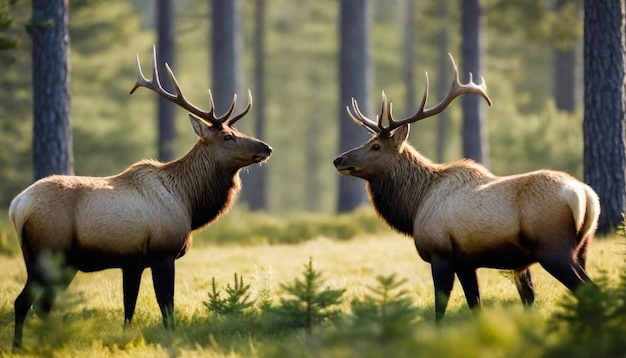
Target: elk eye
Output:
{"points": [[376, 147], [228, 137]]}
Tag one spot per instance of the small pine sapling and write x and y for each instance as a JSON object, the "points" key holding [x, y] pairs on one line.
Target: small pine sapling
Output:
{"points": [[236, 301], [311, 304], [388, 312]]}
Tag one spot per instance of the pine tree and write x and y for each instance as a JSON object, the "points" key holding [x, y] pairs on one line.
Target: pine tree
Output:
{"points": [[310, 304]]}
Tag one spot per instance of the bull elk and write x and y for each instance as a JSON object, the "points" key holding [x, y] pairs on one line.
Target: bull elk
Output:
{"points": [[463, 217], [140, 218]]}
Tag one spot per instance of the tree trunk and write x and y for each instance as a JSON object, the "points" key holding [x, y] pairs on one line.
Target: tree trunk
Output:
{"points": [[605, 107], [564, 73], [354, 72], [409, 57], [225, 53], [257, 198], [564, 78], [166, 50], [52, 135], [473, 46], [444, 78]]}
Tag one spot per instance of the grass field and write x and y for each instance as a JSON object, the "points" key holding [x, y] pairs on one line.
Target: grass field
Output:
{"points": [[87, 320]]}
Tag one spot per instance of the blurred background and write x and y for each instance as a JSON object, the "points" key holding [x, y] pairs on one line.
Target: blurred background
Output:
{"points": [[288, 53]]}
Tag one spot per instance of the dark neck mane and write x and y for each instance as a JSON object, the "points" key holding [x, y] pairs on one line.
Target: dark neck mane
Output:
{"points": [[397, 193], [207, 188]]}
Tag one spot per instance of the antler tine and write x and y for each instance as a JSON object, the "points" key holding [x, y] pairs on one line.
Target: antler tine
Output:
{"points": [[457, 89], [360, 119], [179, 98], [230, 110], [379, 118], [244, 112]]}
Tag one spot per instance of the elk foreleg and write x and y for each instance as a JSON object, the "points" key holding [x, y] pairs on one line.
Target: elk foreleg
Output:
{"points": [[469, 282], [443, 278], [163, 280], [524, 285], [131, 279]]}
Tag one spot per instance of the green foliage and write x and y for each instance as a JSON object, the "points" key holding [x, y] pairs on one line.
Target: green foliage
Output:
{"points": [[386, 314], [237, 298], [310, 304]]}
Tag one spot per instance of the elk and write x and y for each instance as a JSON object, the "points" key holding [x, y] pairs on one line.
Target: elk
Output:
{"points": [[463, 217], [140, 218]]}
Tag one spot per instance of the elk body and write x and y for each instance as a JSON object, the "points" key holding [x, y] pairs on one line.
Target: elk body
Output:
{"points": [[463, 217], [140, 218]]}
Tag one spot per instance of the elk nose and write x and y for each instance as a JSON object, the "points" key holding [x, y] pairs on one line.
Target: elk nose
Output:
{"points": [[337, 161], [268, 149]]}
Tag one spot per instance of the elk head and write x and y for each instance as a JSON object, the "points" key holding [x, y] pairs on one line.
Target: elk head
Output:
{"points": [[372, 158], [216, 134]]}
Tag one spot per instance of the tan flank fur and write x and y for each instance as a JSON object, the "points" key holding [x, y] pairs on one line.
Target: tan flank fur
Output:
{"points": [[142, 217], [463, 217]]}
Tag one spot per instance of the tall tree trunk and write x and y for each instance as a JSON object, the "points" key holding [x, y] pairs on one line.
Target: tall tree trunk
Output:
{"points": [[564, 73], [257, 198], [444, 78], [473, 47], [166, 50], [564, 78], [225, 53], [605, 107], [52, 134], [409, 57], [354, 72]]}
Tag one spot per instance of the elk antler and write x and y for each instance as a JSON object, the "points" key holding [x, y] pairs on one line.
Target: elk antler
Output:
{"points": [[456, 90], [179, 98]]}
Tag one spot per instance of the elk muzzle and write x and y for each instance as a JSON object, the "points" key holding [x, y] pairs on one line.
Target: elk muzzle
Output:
{"points": [[263, 154]]}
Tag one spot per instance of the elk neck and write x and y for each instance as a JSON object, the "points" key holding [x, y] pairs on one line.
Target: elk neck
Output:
{"points": [[398, 192], [207, 187]]}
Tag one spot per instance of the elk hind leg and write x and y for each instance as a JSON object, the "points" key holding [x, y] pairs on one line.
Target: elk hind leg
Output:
{"points": [[565, 268], [22, 305], [524, 284], [163, 280]]}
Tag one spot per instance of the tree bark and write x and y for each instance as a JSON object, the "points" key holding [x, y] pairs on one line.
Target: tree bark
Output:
{"points": [[473, 47], [52, 135], [354, 72], [605, 107], [166, 50]]}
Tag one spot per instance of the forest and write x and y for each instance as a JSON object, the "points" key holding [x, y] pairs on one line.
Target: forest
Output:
{"points": [[300, 275], [111, 130]]}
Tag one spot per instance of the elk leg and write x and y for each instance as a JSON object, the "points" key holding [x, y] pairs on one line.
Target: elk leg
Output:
{"points": [[22, 304], [131, 279], [566, 271], [469, 282], [443, 278], [53, 287], [524, 285], [163, 280]]}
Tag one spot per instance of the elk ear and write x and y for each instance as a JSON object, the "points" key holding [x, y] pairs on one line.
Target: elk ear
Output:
{"points": [[400, 135], [199, 127]]}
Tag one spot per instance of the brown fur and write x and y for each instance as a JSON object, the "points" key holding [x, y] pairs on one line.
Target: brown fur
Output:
{"points": [[462, 217], [142, 217]]}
